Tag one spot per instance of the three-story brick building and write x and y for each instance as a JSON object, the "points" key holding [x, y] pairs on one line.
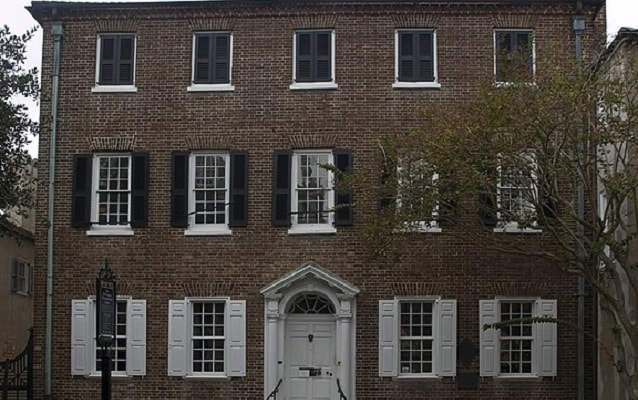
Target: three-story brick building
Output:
{"points": [[188, 146]]}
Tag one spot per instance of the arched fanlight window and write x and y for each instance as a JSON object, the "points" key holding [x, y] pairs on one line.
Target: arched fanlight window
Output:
{"points": [[310, 303]]}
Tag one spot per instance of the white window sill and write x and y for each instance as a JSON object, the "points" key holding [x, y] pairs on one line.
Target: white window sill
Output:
{"points": [[114, 89], [529, 377], [516, 229], [115, 375], [201, 231], [418, 376], [313, 86], [225, 87], [110, 231], [416, 85], [312, 230], [513, 84], [207, 377], [418, 228]]}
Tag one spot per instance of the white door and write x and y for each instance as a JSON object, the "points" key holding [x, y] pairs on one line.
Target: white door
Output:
{"points": [[310, 357]]}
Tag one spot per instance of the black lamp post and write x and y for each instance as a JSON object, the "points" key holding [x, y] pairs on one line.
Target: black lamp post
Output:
{"points": [[105, 322]]}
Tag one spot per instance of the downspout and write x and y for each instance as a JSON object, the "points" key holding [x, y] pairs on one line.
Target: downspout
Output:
{"points": [[578, 22], [57, 32]]}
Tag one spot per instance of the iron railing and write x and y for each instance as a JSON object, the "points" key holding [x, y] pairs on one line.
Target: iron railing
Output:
{"points": [[16, 375], [273, 394], [342, 396]]}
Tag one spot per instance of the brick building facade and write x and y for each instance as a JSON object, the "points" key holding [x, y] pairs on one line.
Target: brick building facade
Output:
{"points": [[190, 140]]}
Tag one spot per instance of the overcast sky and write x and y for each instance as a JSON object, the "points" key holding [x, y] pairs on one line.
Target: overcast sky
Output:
{"points": [[620, 13]]}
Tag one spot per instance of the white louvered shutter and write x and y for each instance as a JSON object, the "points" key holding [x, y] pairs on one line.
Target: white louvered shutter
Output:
{"points": [[177, 337], [447, 338], [388, 338], [236, 338], [82, 341], [488, 338], [136, 338], [546, 337]]}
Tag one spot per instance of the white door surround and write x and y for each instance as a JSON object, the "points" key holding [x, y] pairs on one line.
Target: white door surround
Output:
{"points": [[278, 297]]}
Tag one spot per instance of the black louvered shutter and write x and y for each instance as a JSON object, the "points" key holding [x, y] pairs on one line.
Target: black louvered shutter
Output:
{"points": [[15, 272], [343, 196], [221, 56], [406, 57], [107, 60], [487, 208], [425, 64], [281, 188], [304, 57], [323, 56], [81, 201], [387, 183], [124, 62], [139, 192], [179, 189], [238, 189], [202, 58]]}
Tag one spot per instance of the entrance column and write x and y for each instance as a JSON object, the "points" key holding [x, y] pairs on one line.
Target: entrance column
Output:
{"points": [[271, 344], [344, 318]]}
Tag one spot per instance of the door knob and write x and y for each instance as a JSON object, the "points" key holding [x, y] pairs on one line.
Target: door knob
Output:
{"points": [[310, 337]]}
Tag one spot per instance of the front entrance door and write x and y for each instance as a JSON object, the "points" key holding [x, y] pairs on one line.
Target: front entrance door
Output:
{"points": [[310, 349]]}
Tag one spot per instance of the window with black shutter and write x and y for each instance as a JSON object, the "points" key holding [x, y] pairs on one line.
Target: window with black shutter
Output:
{"points": [[116, 59], [416, 56], [313, 56], [211, 59], [514, 55]]}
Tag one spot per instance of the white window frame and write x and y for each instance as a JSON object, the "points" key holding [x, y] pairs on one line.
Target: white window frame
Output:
{"points": [[429, 226], [314, 85], [295, 226], [180, 352], [97, 88], [513, 226], [532, 33], [416, 85], [84, 339], [98, 229], [207, 229], [21, 276], [444, 317], [544, 341], [212, 87]]}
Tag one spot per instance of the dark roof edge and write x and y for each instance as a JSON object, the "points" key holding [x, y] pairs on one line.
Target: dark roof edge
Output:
{"points": [[17, 230]]}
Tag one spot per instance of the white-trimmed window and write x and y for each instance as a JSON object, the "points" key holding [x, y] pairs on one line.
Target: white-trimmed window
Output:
{"points": [[112, 192], [209, 188], [514, 55], [129, 346], [413, 189], [212, 61], [415, 59], [21, 276], [207, 337], [115, 63], [517, 194], [522, 348], [313, 59], [417, 337], [312, 199]]}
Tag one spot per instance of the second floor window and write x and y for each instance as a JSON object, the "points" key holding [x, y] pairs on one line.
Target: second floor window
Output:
{"points": [[516, 192], [21, 276], [212, 58], [313, 57], [116, 60], [514, 55], [415, 57]]}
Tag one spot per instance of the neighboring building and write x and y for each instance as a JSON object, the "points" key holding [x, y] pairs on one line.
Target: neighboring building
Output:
{"points": [[190, 145], [620, 61], [17, 252]]}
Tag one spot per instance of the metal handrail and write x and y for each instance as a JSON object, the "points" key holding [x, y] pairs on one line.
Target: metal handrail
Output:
{"points": [[273, 394], [342, 396]]}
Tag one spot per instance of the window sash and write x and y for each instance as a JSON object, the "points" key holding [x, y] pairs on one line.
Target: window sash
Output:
{"points": [[416, 350], [314, 56], [511, 47], [208, 337], [118, 348], [409, 177], [112, 190], [209, 179], [416, 56], [313, 198], [517, 339]]}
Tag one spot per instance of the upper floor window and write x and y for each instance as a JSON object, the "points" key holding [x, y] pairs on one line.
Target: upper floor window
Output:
{"points": [[115, 63], [304, 196], [514, 55], [212, 61], [417, 199], [415, 60], [521, 347], [128, 357], [21, 276], [110, 192], [207, 337], [417, 337], [517, 193], [209, 191], [313, 59]]}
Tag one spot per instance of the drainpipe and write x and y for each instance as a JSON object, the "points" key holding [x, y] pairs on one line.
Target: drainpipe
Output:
{"points": [[57, 32], [578, 21]]}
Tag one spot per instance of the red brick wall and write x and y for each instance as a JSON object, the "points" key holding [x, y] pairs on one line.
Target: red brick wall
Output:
{"points": [[261, 116]]}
